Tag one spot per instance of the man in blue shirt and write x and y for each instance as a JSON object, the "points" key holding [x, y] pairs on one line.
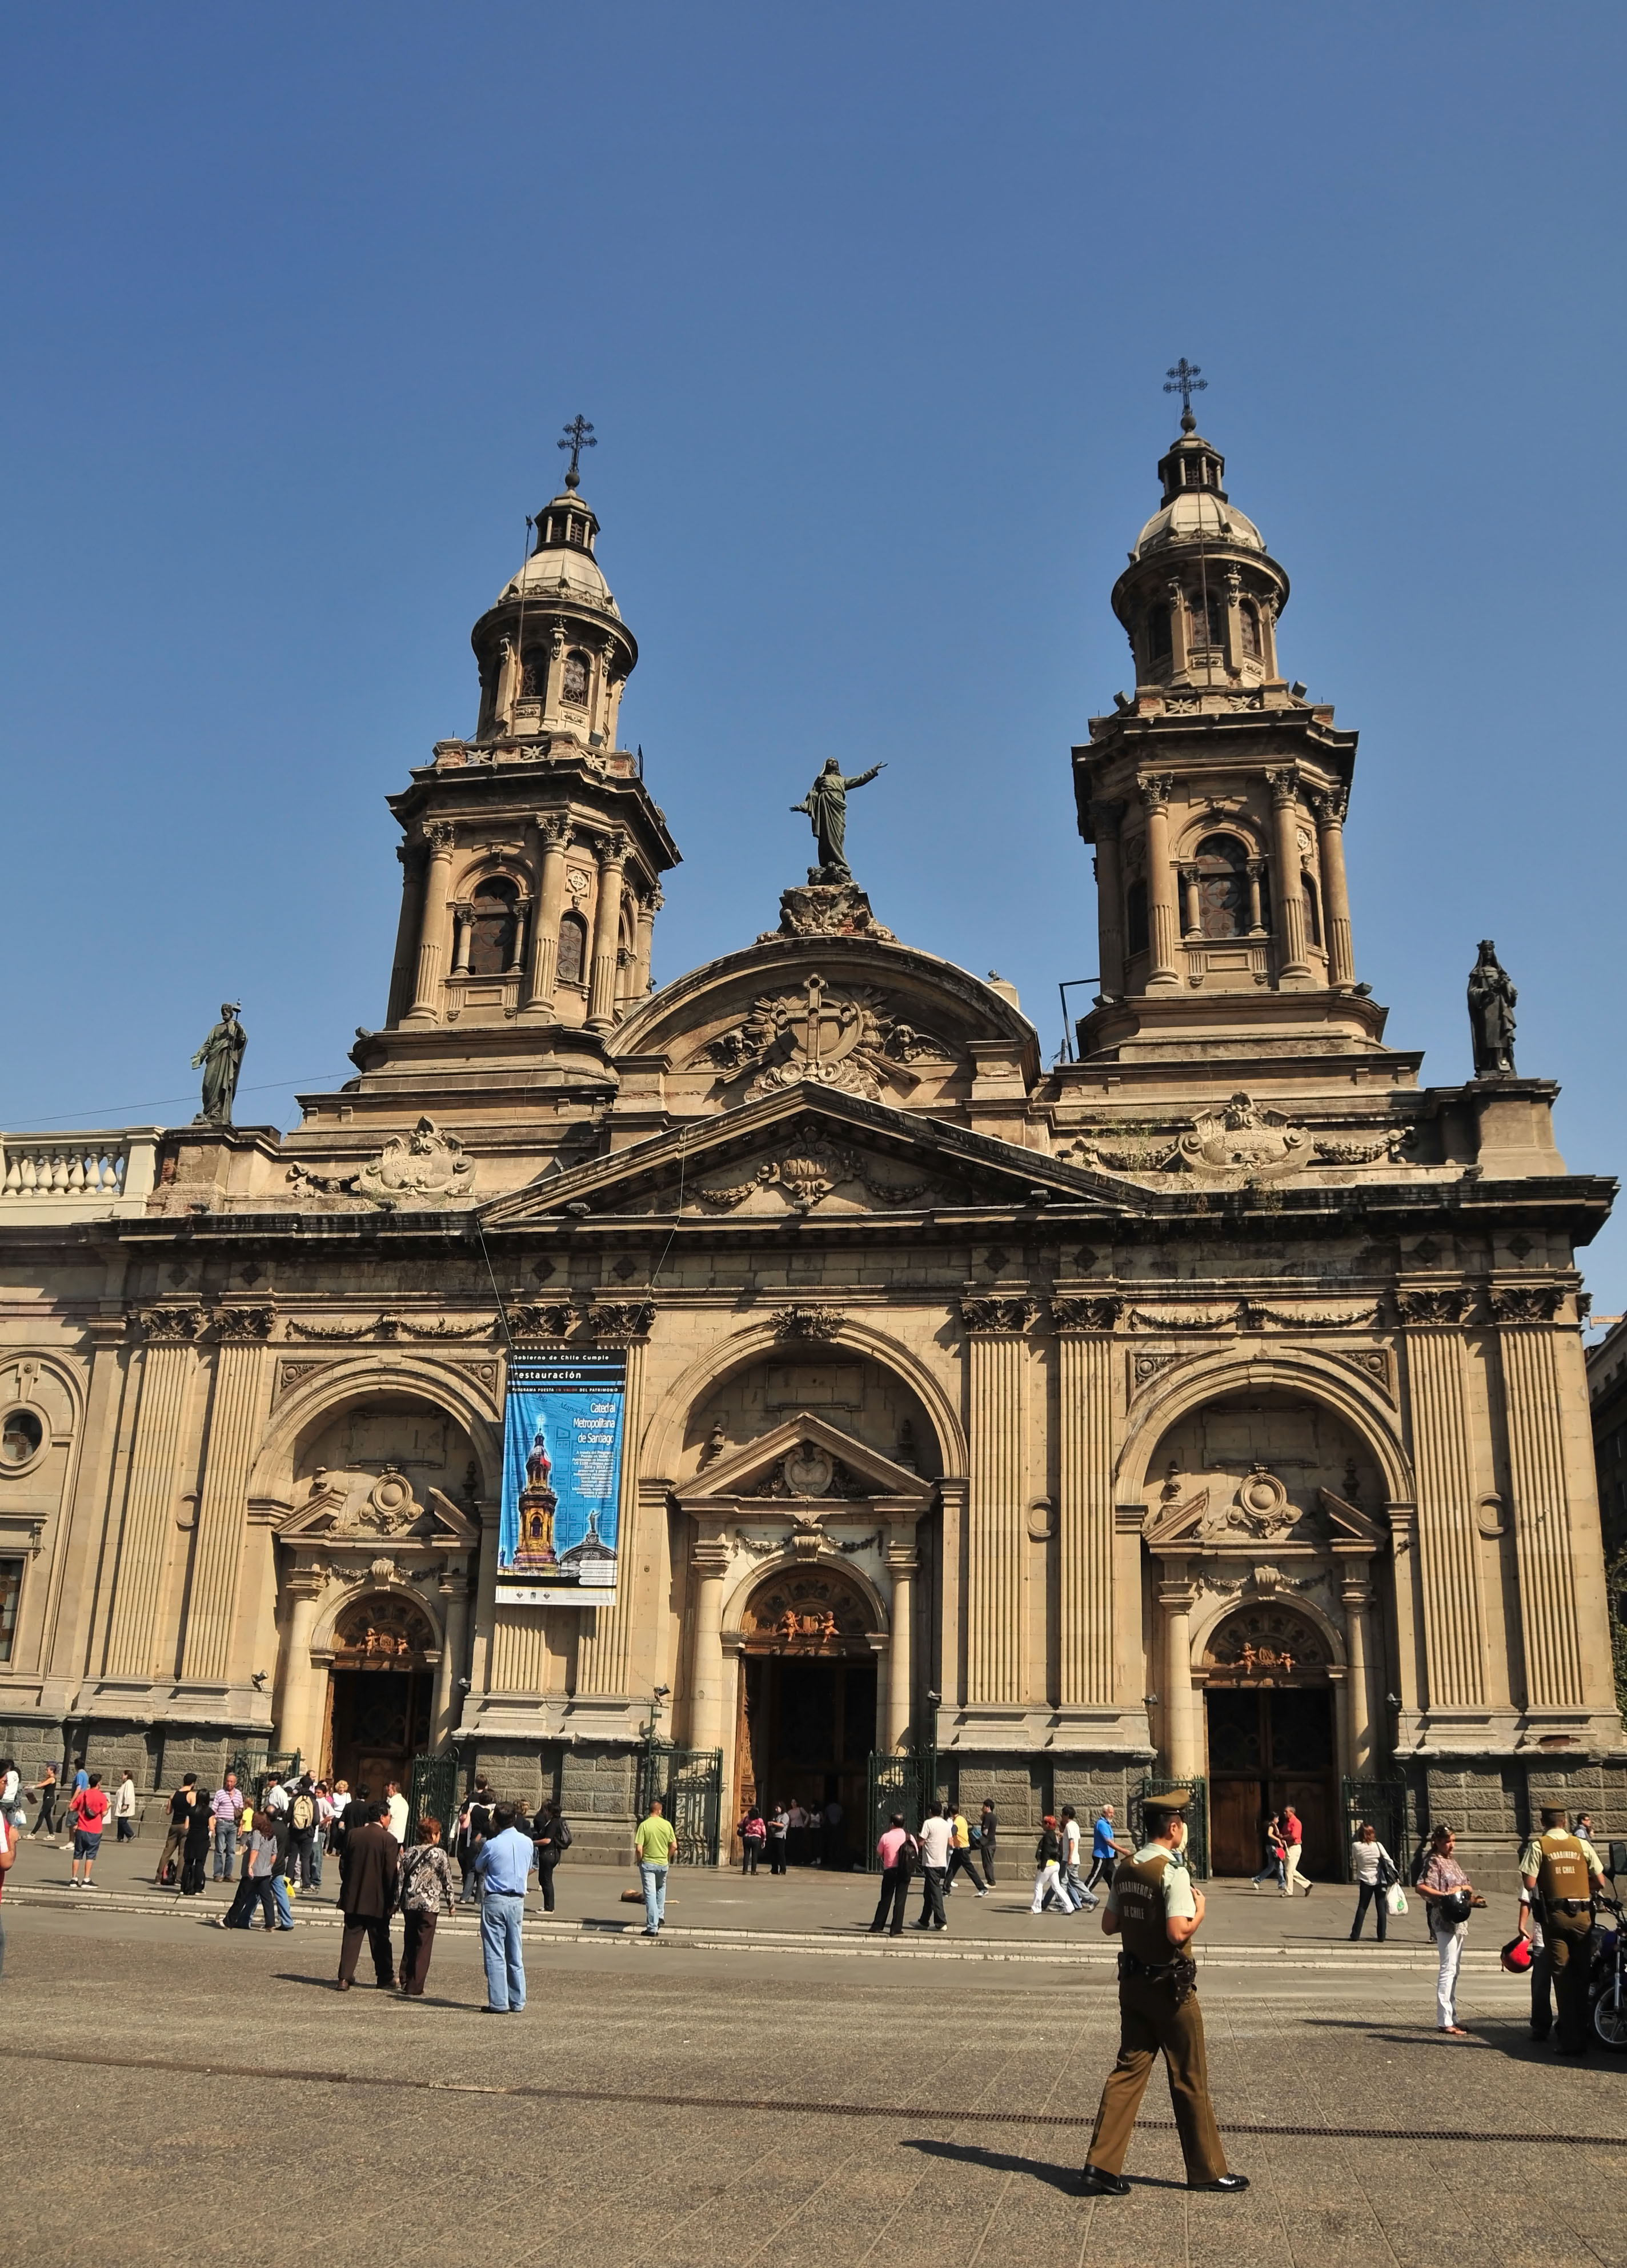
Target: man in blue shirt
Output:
{"points": [[502, 1863], [1103, 1849]]}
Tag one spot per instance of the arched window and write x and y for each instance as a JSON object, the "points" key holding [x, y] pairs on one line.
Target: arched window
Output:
{"points": [[496, 929], [1249, 616], [1222, 887], [572, 948], [574, 685], [1313, 912], [1136, 918], [1208, 614], [1157, 631]]}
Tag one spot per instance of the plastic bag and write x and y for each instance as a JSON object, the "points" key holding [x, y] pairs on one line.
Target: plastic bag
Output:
{"points": [[1396, 1899]]}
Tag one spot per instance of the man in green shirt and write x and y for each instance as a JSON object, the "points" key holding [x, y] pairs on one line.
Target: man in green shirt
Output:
{"points": [[656, 1844]]}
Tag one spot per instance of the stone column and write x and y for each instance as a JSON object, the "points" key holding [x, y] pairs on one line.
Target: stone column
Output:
{"points": [[68, 1641], [223, 1499], [1233, 623], [901, 1564], [1084, 1516], [522, 920], [299, 1726], [1344, 1729], [454, 1591], [555, 835], [601, 690], [1256, 918], [613, 857], [1454, 1622], [411, 856], [1330, 810], [1532, 1401], [1163, 920], [1290, 941], [1177, 1597], [650, 904], [168, 1364], [436, 914], [463, 939], [1179, 642], [1109, 897], [997, 1357], [1192, 922], [1357, 1597], [709, 1555]]}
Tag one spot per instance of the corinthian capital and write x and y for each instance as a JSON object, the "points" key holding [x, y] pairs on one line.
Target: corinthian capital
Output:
{"points": [[440, 834], [1284, 784], [615, 849], [556, 832], [1329, 805], [1156, 791]]}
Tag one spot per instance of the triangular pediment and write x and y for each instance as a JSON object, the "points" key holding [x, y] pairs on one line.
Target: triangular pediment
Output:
{"points": [[806, 1459], [1176, 1523], [1348, 1523], [359, 1509], [810, 1148]]}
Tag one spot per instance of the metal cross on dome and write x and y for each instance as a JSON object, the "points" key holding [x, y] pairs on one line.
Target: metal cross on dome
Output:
{"points": [[578, 436], [1182, 379]]}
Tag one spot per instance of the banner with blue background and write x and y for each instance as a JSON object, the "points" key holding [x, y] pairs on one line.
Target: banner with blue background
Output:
{"points": [[562, 1480]]}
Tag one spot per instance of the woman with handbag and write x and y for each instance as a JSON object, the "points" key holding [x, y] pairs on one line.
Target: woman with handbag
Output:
{"points": [[1276, 1867], [1374, 1872], [1451, 1897], [754, 1833]]}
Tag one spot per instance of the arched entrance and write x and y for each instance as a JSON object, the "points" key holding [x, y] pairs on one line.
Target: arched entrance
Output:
{"points": [[1272, 1737], [808, 1707], [380, 1692]]}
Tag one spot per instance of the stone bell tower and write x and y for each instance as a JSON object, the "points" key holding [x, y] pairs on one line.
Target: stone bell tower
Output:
{"points": [[531, 855], [1215, 796]]}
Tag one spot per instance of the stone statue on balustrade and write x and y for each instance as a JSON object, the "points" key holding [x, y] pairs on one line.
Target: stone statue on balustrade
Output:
{"points": [[220, 1059], [825, 805], [1491, 999]]}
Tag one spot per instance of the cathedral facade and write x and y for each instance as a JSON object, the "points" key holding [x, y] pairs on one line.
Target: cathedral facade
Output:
{"points": [[1207, 1407]]}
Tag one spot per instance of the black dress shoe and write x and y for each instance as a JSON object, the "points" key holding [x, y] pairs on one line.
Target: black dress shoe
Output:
{"points": [[1094, 2182], [1230, 2183]]}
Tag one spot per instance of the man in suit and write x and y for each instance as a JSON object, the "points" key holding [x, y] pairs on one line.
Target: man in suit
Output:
{"points": [[367, 1880]]}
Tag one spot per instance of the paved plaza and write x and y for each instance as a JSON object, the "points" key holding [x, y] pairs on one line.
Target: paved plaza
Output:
{"points": [[766, 2084]]}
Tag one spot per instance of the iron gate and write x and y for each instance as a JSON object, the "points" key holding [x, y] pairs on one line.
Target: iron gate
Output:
{"points": [[689, 1782], [1197, 1816], [1384, 1804], [432, 1793], [253, 1768], [907, 1784]]}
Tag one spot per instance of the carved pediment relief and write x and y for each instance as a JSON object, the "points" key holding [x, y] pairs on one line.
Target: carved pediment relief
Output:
{"points": [[804, 1171], [1257, 1508], [1243, 1141], [1266, 1644], [808, 1461], [359, 1510], [830, 1035]]}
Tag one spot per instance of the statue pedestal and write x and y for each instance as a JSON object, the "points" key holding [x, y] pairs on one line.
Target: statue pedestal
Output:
{"points": [[827, 909]]}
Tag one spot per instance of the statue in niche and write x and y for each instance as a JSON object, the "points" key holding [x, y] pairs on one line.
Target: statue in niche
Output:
{"points": [[1491, 999], [220, 1059], [825, 804]]}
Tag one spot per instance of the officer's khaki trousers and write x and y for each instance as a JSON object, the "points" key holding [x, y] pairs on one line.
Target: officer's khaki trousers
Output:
{"points": [[1148, 2021]]}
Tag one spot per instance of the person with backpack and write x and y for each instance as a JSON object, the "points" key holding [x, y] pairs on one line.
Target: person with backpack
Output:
{"points": [[301, 1830], [896, 1849], [754, 1833], [552, 1838]]}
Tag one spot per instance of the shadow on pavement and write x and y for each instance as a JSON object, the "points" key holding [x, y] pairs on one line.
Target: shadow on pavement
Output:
{"points": [[999, 2161]]}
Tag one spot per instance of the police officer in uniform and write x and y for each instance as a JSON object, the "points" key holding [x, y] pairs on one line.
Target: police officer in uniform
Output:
{"points": [[1154, 1906], [1559, 1871]]}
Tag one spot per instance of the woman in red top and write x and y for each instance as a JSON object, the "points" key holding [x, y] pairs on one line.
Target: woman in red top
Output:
{"points": [[90, 1814]]}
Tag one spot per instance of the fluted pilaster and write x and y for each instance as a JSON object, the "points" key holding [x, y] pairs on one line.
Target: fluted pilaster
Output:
{"points": [[1454, 1627], [222, 1501], [168, 1364], [1543, 1537], [1085, 1510], [997, 1357]]}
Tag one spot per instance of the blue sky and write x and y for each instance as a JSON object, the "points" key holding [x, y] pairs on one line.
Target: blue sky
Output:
{"points": [[871, 307]]}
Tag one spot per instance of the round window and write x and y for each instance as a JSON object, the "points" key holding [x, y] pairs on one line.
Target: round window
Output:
{"points": [[21, 1438]]}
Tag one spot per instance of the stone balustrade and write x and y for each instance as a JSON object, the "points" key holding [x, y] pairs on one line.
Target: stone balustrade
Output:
{"points": [[85, 1172]]}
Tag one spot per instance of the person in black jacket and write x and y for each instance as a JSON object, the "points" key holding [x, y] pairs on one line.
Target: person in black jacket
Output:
{"points": [[474, 1826], [552, 1837]]}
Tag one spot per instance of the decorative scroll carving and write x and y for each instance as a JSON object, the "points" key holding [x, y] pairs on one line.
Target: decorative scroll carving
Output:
{"points": [[533, 1320], [812, 1611], [993, 1314], [1527, 1303], [1145, 1367], [290, 1374], [390, 1328], [807, 1322], [861, 1543], [173, 1324], [1390, 1145], [1088, 1315], [621, 1319], [425, 1163], [1244, 1137], [829, 1039], [1253, 1316], [1261, 1645], [1184, 1318], [808, 1170], [243, 1325], [1450, 1305], [377, 1633]]}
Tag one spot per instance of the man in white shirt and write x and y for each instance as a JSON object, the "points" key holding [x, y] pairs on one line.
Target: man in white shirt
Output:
{"points": [[397, 1802], [1078, 1896], [124, 1808], [936, 1840]]}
